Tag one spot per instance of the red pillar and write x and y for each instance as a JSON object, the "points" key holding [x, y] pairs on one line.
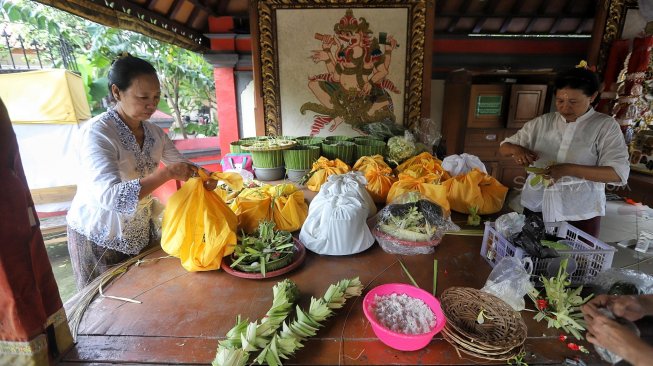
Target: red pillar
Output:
{"points": [[225, 92]]}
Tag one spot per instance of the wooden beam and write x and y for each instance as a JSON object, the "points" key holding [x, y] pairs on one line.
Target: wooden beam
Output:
{"points": [[534, 17], [516, 7], [556, 23], [124, 14], [461, 10]]}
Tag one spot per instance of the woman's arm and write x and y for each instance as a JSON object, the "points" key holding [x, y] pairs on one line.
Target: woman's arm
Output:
{"points": [[604, 174]]}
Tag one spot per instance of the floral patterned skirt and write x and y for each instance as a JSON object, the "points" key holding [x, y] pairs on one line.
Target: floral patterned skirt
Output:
{"points": [[90, 260]]}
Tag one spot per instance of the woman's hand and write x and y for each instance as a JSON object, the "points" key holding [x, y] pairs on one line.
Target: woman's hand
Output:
{"points": [[523, 156], [181, 171], [626, 306], [609, 334]]}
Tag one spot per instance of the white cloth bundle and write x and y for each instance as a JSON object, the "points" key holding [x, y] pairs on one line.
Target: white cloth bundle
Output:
{"points": [[462, 164], [337, 217]]}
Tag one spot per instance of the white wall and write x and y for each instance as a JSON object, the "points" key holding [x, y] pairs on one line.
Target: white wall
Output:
{"points": [[437, 98]]}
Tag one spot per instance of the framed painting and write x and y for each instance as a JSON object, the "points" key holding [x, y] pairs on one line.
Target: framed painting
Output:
{"points": [[333, 67]]}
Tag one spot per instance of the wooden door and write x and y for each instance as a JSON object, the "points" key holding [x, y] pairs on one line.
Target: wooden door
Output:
{"points": [[526, 103]]}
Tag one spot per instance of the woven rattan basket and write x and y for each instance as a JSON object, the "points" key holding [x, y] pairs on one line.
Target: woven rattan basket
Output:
{"points": [[500, 337]]}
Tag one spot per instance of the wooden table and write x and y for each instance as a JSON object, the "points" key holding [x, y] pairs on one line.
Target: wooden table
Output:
{"points": [[183, 315]]}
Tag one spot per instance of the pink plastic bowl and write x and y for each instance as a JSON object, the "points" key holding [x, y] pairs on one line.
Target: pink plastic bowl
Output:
{"points": [[400, 341]]}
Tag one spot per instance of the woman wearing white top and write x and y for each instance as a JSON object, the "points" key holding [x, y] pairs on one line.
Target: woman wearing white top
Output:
{"points": [[580, 149], [113, 215]]}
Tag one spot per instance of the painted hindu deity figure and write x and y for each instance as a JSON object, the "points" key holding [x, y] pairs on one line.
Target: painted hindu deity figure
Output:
{"points": [[355, 89]]}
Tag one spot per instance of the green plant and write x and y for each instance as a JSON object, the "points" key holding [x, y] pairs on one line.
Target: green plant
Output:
{"points": [[307, 323], [473, 219], [254, 252], [561, 304], [249, 337], [209, 129]]}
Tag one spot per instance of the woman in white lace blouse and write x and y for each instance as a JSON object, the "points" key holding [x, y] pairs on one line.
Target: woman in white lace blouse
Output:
{"points": [[580, 149], [113, 215]]}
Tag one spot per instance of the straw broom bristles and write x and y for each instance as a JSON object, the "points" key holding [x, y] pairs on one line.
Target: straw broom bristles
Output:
{"points": [[88, 293]]}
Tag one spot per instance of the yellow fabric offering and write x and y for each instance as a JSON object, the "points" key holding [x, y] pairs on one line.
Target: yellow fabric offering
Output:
{"points": [[475, 189], [423, 164], [378, 175], [198, 227], [410, 182], [322, 169], [283, 203]]}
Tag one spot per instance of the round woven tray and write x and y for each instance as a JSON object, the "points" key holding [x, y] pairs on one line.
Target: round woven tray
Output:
{"points": [[500, 337], [268, 148]]}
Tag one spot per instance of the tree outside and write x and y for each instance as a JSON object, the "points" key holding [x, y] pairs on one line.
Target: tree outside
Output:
{"points": [[186, 78]]}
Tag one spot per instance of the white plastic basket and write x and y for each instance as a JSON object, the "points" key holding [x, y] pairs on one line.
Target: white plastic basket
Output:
{"points": [[588, 257]]}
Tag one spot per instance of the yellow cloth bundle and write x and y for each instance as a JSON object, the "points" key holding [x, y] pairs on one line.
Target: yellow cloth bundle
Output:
{"points": [[322, 169], [283, 203], [475, 189], [411, 182], [424, 164], [198, 227], [378, 175]]}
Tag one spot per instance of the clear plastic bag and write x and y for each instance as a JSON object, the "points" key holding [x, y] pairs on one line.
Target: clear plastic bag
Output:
{"points": [[610, 278], [510, 281], [411, 224], [427, 133], [509, 224]]}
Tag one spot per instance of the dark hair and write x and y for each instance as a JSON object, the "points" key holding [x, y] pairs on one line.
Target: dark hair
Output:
{"points": [[125, 69], [578, 78]]}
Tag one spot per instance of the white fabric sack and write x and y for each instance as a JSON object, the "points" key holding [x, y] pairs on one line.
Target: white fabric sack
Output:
{"points": [[337, 217], [462, 164]]}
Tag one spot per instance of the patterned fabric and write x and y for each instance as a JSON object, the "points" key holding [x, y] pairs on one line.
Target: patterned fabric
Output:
{"points": [[29, 297], [106, 210]]}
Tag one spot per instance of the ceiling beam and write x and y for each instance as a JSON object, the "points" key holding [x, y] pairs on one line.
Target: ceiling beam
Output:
{"points": [[556, 23], [454, 19], [131, 16], [540, 11], [516, 9]]}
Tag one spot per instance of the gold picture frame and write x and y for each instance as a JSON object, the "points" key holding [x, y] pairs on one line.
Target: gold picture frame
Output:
{"points": [[614, 24], [302, 67]]}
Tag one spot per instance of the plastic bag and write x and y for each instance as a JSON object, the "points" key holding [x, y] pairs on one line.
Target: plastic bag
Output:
{"points": [[462, 164], [509, 224], [411, 224], [336, 222], [614, 280], [198, 227], [475, 189], [530, 238], [510, 281], [427, 132]]}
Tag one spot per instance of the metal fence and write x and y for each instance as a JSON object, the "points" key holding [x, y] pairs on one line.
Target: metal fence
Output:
{"points": [[17, 55]]}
